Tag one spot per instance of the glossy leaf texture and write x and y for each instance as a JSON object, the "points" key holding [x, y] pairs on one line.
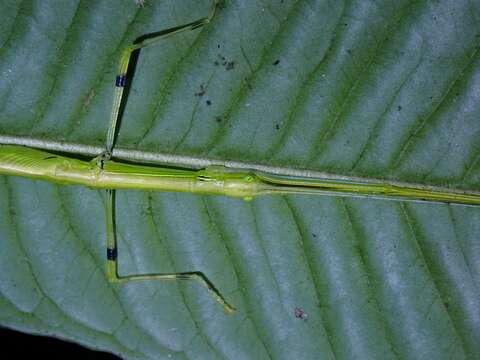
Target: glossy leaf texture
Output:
{"points": [[384, 89]]}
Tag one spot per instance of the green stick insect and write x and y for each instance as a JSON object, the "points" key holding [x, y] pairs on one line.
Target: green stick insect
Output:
{"points": [[104, 173]]}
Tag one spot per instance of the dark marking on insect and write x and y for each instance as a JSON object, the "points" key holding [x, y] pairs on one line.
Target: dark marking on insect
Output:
{"points": [[276, 62], [230, 65], [204, 178], [111, 254], [121, 80], [300, 314]]}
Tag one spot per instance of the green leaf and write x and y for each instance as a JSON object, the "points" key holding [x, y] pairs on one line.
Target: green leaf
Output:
{"points": [[360, 88]]}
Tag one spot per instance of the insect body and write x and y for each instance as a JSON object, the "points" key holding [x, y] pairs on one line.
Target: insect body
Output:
{"points": [[214, 180], [108, 174]]}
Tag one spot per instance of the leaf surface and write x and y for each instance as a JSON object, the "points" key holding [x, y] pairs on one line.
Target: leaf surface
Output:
{"points": [[357, 88]]}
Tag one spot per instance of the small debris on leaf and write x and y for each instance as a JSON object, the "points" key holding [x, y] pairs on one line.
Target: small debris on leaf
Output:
{"points": [[300, 314], [227, 64], [201, 92]]}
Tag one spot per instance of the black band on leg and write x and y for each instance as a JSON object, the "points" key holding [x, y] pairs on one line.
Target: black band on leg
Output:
{"points": [[111, 254], [121, 80]]}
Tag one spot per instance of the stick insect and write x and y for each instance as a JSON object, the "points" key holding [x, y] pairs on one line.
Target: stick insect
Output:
{"points": [[104, 173]]}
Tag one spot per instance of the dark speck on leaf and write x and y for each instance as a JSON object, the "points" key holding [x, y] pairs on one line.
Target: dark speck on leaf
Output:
{"points": [[314, 235], [208, 102], [399, 107], [218, 119], [229, 65], [277, 126], [276, 62], [300, 314], [201, 92]]}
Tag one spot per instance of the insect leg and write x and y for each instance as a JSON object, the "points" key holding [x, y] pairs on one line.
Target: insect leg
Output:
{"points": [[121, 79], [112, 261]]}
